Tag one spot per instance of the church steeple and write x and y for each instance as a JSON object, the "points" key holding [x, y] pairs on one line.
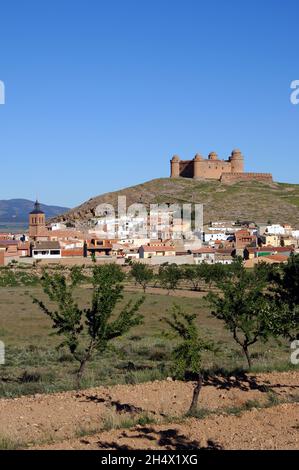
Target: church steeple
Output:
{"points": [[37, 222], [37, 209]]}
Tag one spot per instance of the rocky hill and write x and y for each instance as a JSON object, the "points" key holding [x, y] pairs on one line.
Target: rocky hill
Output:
{"points": [[244, 200]]}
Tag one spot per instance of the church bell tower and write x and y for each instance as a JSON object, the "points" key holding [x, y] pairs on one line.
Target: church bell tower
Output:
{"points": [[37, 222]]}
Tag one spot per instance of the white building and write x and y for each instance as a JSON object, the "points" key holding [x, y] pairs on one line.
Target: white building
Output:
{"points": [[275, 229], [46, 250], [58, 226], [204, 255], [214, 236]]}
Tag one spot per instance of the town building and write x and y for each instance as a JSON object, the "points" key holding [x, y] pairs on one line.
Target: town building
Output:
{"points": [[146, 251], [46, 250], [205, 254]]}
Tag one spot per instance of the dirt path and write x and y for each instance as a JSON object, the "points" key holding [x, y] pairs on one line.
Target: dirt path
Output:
{"points": [[66, 416]]}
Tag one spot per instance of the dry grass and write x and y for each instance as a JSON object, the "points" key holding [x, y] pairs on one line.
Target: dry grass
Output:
{"points": [[35, 365], [257, 201]]}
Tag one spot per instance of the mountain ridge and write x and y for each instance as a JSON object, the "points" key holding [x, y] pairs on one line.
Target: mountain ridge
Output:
{"points": [[17, 210]]}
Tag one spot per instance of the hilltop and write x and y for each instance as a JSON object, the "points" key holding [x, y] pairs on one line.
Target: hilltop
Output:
{"points": [[244, 200], [17, 210]]}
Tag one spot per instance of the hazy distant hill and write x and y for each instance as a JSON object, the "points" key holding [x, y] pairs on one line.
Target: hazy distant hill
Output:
{"points": [[246, 200], [17, 210]]}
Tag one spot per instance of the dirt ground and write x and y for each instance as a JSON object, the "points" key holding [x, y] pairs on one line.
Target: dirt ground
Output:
{"points": [[272, 429], [75, 420]]}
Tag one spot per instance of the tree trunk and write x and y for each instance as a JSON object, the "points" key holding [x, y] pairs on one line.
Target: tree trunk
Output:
{"points": [[246, 352], [196, 392], [83, 362], [80, 372]]}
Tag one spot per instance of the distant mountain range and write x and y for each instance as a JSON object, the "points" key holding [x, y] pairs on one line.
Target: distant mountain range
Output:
{"points": [[17, 210]]}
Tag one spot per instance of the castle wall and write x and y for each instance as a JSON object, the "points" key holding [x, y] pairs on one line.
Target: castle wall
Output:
{"points": [[232, 177], [213, 169], [207, 169], [187, 168]]}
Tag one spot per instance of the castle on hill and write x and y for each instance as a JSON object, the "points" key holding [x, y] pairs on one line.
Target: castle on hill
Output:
{"points": [[227, 171]]}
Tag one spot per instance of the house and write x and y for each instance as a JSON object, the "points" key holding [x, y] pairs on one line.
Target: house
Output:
{"points": [[269, 259], [244, 238], [275, 229], [98, 247], [204, 255], [67, 235], [271, 239], [131, 253], [146, 251], [10, 248], [223, 258], [274, 250], [289, 241], [212, 236], [250, 252], [46, 250]]}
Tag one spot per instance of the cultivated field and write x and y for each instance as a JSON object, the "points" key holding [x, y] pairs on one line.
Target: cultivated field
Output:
{"points": [[147, 409], [34, 365]]}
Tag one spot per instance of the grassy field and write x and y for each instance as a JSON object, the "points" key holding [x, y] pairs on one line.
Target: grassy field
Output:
{"points": [[35, 365]]}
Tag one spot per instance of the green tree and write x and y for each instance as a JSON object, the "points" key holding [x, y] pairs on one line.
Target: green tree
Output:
{"points": [[195, 275], [244, 306], [187, 355], [142, 274], [169, 276], [89, 330], [286, 296]]}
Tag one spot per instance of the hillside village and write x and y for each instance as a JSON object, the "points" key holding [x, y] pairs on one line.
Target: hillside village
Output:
{"points": [[160, 235], [220, 242]]}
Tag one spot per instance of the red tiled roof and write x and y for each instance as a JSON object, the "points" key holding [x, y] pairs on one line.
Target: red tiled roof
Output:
{"points": [[207, 249], [277, 248], [152, 249], [277, 258], [8, 242]]}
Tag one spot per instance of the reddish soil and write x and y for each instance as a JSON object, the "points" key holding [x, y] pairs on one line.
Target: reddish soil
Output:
{"points": [[57, 421]]}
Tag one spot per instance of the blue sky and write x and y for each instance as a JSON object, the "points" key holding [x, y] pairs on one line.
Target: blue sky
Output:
{"points": [[100, 94]]}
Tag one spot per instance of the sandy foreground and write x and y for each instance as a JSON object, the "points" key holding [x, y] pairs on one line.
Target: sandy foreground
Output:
{"points": [[89, 419]]}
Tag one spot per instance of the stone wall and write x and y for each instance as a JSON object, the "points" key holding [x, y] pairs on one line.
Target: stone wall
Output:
{"points": [[232, 177]]}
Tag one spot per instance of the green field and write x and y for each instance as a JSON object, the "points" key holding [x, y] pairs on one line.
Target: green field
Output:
{"points": [[35, 365]]}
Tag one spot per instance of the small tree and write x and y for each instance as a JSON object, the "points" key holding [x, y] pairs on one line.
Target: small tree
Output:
{"points": [[169, 276], [245, 308], [194, 274], [142, 274], [89, 330], [187, 355]]}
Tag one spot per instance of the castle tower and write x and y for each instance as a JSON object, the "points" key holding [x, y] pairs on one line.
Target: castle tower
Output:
{"points": [[213, 156], [237, 161], [37, 222], [175, 166], [197, 166]]}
